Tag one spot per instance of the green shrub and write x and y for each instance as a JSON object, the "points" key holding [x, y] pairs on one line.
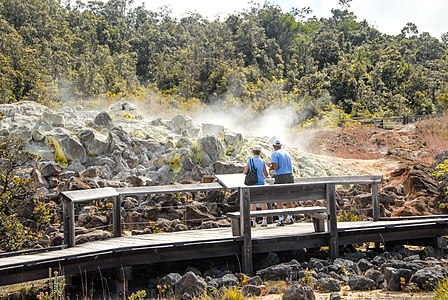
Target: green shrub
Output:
{"points": [[16, 195], [232, 293], [441, 292]]}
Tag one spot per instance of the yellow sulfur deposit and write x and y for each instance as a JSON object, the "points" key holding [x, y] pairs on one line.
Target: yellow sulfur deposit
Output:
{"points": [[59, 155], [175, 164]]}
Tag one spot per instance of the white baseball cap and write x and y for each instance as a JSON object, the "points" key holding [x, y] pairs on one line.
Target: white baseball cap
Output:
{"points": [[256, 148], [276, 142]]}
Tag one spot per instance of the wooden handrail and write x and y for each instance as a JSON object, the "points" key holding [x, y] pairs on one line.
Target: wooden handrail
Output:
{"points": [[146, 190], [86, 195], [304, 188]]}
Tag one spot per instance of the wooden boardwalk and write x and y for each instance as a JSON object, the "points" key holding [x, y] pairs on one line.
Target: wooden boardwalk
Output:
{"points": [[210, 243], [123, 252]]}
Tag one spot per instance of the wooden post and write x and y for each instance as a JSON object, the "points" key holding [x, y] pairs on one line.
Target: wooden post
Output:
{"points": [[117, 216], [68, 215], [375, 203], [245, 229], [122, 276], [333, 225]]}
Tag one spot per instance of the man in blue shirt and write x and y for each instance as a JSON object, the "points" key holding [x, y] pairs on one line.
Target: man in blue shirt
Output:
{"points": [[282, 166]]}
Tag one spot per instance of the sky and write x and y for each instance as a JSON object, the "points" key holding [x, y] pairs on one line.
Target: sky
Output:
{"points": [[388, 16]]}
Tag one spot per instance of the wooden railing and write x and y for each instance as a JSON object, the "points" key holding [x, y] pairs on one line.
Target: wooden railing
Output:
{"points": [[390, 122], [116, 195], [312, 188], [315, 188]]}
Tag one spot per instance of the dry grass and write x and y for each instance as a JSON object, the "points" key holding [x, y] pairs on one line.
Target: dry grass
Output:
{"points": [[434, 134]]}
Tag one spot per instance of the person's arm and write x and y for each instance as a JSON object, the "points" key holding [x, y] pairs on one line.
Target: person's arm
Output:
{"points": [[246, 169], [265, 173], [274, 162]]}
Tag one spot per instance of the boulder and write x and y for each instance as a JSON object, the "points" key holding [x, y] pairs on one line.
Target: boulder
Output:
{"points": [[191, 284], [212, 129], [429, 277], [124, 110], [163, 224], [197, 213], [328, 285], [50, 169], [285, 271], [55, 120], [222, 167], [348, 265], [184, 142], [66, 146], [94, 143], [169, 281], [37, 136], [180, 122], [317, 264], [209, 149], [419, 179], [376, 276], [255, 280], [298, 292], [187, 163], [361, 283], [364, 265], [39, 180], [23, 132], [398, 264], [92, 236], [363, 200], [104, 120], [229, 280], [208, 225], [250, 290], [394, 278]]}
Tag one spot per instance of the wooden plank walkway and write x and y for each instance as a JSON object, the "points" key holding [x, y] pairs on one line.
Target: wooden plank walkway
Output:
{"points": [[206, 243]]}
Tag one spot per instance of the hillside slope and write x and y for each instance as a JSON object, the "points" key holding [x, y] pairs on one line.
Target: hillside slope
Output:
{"points": [[404, 155]]}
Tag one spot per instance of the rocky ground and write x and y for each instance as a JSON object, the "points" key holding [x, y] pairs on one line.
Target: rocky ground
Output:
{"points": [[82, 149]]}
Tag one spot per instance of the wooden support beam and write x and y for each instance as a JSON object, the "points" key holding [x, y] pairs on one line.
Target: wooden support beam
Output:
{"points": [[333, 226], [68, 212], [375, 202], [122, 276], [246, 230], [117, 216]]}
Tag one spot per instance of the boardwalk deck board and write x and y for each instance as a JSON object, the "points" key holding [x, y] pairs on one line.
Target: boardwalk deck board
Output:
{"points": [[205, 243]]}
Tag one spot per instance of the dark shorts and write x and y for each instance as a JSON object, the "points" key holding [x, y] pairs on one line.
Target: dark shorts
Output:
{"points": [[284, 178]]}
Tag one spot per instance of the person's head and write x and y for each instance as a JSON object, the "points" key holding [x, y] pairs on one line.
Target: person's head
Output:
{"points": [[276, 144], [256, 150]]}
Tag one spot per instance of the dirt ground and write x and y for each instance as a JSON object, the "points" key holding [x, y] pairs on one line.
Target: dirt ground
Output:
{"points": [[376, 294], [416, 142]]}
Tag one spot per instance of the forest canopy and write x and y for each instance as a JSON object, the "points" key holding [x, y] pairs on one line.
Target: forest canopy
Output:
{"points": [[52, 51]]}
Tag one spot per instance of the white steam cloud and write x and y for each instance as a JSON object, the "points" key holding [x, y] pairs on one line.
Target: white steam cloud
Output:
{"points": [[272, 123]]}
